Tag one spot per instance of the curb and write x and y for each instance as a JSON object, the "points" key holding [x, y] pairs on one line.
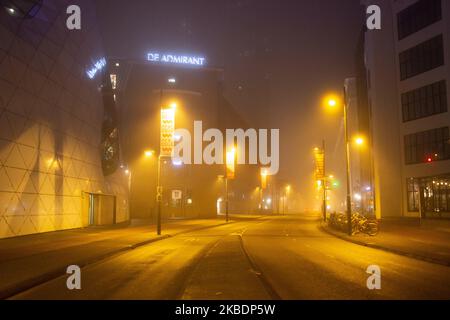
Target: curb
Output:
{"points": [[58, 272], [391, 250]]}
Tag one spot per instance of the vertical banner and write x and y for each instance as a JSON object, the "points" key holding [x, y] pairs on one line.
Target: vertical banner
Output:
{"points": [[231, 163], [263, 178], [319, 157], [167, 132]]}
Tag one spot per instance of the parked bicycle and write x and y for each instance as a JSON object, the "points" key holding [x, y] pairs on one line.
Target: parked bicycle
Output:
{"points": [[360, 223]]}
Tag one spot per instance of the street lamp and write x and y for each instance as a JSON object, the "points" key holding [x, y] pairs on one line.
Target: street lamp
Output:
{"points": [[230, 173], [332, 102], [319, 156], [286, 199], [167, 129], [149, 153], [263, 174], [359, 141]]}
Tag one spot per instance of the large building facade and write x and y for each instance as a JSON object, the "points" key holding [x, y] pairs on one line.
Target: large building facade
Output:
{"points": [[144, 88], [58, 133], [408, 79]]}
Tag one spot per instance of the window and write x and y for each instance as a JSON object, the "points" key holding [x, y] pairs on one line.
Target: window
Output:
{"points": [[113, 81], [421, 58], [425, 101], [430, 194], [413, 192], [418, 16], [427, 146]]}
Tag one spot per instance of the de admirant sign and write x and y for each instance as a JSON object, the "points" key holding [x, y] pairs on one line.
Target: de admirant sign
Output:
{"points": [[176, 59]]}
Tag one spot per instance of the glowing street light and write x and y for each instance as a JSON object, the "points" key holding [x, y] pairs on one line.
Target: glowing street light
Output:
{"points": [[359, 141], [332, 101], [149, 153]]}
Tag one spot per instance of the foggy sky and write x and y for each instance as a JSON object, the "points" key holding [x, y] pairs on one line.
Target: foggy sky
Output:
{"points": [[298, 48]]}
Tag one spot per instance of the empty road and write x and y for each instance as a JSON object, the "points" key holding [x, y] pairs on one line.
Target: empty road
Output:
{"points": [[285, 257]]}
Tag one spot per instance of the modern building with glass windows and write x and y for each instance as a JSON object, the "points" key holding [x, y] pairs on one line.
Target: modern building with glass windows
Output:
{"points": [[408, 75], [59, 132]]}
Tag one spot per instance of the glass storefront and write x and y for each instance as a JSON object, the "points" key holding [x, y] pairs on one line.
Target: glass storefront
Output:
{"points": [[430, 196]]}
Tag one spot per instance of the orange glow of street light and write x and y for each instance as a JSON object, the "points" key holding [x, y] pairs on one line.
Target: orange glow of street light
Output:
{"points": [[149, 153], [359, 141], [331, 101]]}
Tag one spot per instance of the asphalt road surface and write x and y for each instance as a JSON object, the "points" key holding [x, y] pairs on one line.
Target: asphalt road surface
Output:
{"points": [[286, 257]]}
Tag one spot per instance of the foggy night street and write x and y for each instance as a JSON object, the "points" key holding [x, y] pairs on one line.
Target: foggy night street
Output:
{"points": [[187, 159], [290, 259]]}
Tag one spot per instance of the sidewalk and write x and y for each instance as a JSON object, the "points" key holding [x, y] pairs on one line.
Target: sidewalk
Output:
{"points": [[429, 242], [30, 260]]}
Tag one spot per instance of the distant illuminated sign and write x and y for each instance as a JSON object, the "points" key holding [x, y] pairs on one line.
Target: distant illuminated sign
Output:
{"points": [[99, 65], [177, 194], [176, 59]]}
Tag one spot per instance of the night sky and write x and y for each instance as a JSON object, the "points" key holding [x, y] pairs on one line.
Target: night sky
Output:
{"points": [[279, 57]]}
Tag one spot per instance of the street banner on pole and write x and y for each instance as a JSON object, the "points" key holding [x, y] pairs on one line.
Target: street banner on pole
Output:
{"points": [[319, 157], [167, 132], [263, 178], [231, 163]]}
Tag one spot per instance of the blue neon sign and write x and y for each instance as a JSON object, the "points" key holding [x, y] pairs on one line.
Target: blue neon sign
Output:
{"points": [[176, 59], [99, 65]]}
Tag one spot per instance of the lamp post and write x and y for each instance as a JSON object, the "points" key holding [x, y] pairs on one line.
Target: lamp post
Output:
{"points": [[347, 162], [166, 149], [159, 194], [263, 174], [286, 199], [324, 186], [229, 174], [226, 199], [319, 157], [332, 102]]}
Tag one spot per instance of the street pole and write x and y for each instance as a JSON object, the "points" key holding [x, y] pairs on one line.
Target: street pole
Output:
{"points": [[159, 188], [347, 152], [226, 198], [159, 193], [324, 185]]}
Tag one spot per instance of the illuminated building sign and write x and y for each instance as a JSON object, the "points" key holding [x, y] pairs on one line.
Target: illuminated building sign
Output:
{"points": [[176, 59], [99, 65]]}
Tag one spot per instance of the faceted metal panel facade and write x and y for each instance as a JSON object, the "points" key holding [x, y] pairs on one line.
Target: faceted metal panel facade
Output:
{"points": [[50, 123]]}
